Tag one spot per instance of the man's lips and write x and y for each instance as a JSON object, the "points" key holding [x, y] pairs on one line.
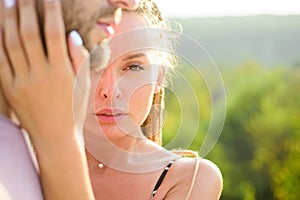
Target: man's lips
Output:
{"points": [[107, 27]]}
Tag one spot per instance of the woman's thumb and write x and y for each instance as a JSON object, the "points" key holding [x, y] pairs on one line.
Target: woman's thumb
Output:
{"points": [[78, 54]]}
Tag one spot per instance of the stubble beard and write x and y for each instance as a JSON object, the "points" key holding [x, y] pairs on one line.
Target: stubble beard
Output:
{"points": [[76, 18]]}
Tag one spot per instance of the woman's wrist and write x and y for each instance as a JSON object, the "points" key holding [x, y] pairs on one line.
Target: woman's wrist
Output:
{"points": [[49, 134], [68, 151], [63, 163], [57, 141]]}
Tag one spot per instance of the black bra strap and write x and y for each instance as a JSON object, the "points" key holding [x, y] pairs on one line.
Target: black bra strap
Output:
{"points": [[161, 178]]}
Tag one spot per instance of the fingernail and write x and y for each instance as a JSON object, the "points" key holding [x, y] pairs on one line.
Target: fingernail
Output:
{"points": [[9, 3], [76, 38]]}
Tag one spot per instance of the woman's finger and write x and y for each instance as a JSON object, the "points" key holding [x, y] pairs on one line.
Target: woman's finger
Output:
{"points": [[80, 62], [81, 66], [55, 33], [78, 54], [6, 75], [1, 13], [30, 33], [12, 40]]}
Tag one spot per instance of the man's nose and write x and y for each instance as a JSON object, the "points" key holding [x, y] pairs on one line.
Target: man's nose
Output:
{"points": [[126, 4]]}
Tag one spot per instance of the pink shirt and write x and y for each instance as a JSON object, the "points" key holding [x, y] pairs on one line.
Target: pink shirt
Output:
{"points": [[18, 176]]}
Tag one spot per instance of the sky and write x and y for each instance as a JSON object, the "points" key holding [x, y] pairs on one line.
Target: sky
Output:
{"points": [[216, 8]]}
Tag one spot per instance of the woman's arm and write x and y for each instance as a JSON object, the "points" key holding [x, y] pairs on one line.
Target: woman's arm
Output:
{"points": [[64, 170], [39, 87]]}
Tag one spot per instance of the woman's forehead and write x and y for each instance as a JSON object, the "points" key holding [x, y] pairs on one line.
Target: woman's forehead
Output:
{"points": [[143, 56], [134, 40], [130, 21], [133, 34]]}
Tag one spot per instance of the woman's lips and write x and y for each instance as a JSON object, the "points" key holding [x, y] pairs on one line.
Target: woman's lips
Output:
{"points": [[110, 115]]}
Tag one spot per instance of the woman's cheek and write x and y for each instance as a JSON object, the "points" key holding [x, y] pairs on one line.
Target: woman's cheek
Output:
{"points": [[140, 103]]}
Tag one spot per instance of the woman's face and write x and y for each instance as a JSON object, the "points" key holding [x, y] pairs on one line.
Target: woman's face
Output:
{"points": [[123, 91]]}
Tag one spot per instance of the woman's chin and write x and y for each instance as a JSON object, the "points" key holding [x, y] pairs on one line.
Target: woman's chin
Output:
{"points": [[112, 132]]}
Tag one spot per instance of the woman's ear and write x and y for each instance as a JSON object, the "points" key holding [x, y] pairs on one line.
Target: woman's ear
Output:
{"points": [[160, 80]]}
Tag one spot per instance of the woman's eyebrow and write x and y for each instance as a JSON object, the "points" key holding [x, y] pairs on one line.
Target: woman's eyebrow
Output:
{"points": [[132, 56]]}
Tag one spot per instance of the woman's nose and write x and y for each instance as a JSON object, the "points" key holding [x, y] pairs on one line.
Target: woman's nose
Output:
{"points": [[109, 86], [126, 4], [110, 93]]}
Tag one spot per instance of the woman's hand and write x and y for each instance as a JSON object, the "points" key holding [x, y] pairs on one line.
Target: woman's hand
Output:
{"points": [[38, 82]]}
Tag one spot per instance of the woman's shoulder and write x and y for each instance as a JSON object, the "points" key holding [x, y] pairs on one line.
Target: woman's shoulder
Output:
{"points": [[191, 160], [200, 168], [197, 178]]}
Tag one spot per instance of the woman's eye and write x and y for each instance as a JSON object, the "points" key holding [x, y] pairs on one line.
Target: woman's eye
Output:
{"points": [[134, 67]]}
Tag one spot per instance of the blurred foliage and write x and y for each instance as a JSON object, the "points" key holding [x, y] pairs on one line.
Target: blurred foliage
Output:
{"points": [[259, 147], [271, 40]]}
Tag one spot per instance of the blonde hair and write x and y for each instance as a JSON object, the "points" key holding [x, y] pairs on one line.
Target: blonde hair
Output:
{"points": [[152, 126]]}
